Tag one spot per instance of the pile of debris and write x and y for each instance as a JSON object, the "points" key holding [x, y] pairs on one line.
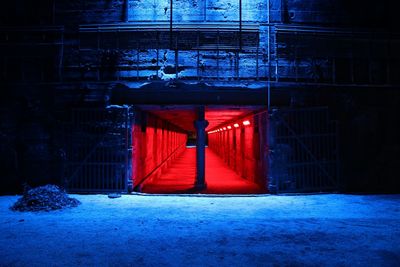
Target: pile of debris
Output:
{"points": [[44, 198]]}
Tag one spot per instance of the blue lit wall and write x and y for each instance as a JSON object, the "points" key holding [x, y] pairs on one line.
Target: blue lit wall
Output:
{"points": [[195, 10]]}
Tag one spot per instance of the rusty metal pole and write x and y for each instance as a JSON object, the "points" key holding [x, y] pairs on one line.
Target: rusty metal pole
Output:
{"points": [[200, 125]]}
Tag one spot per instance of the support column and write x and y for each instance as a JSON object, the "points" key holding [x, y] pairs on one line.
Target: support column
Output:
{"points": [[200, 124]]}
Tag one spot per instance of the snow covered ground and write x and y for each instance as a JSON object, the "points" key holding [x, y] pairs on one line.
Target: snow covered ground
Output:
{"points": [[140, 230]]}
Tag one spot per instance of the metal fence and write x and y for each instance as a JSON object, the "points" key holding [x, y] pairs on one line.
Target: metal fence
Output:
{"points": [[97, 146], [303, 151]]}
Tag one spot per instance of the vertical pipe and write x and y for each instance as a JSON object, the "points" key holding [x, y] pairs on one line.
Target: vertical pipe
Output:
{"points": [[128, 186], [258, 44], [170, 23], [200, 125], [158, 45], [176, 57], [269, 55], [126, 10], [240, 24], [218, 55], [205, 11], [198, 56], [137, 59]]}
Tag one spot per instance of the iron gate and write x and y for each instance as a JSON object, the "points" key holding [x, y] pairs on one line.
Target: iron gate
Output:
{"points": [[97, 146], [303, 151]]}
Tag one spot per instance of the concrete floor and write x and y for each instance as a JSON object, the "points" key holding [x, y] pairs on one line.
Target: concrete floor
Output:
{"points": [[145, 230], [220, 179]]}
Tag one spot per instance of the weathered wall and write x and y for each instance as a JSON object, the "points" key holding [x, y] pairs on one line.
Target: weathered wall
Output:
{"points": [[244, 149], [55, 68], [125, 58], [156, 143], [331, 12]]}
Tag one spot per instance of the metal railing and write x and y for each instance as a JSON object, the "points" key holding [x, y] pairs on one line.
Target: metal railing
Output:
{"points": [[97, 150], [303, 151]]}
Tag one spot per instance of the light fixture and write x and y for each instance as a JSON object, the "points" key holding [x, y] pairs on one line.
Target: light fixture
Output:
{"points": [[224, 128], [246, 123], [229, 127], [236, 125]]}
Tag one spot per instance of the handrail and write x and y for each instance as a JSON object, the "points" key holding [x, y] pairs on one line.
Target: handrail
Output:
{"points": [[164, 26], [136, 187]]}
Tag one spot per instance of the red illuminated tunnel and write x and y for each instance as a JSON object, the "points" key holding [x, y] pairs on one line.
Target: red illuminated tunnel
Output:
{"points": [[165, 162]]}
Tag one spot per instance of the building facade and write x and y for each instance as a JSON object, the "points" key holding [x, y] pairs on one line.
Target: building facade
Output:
{"points": [[103, 95]]}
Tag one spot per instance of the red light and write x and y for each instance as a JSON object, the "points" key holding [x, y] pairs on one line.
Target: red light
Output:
{"points": [[221, 129], [246, 123], [224, 128], [236, 125], [229, 127]]}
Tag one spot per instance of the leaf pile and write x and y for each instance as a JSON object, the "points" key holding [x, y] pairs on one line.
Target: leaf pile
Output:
{"points": [[44, 198]]}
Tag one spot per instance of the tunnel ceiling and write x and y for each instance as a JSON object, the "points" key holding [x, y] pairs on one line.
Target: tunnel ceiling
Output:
{"points": [[184, 116]]}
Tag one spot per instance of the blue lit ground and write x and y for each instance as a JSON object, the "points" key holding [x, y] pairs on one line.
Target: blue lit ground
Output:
{"points": [[313, 230]]}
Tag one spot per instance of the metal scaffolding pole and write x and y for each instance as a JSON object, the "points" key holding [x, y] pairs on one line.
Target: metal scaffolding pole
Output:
{"points": [[240, 25], [170, 23], [269, 54]]}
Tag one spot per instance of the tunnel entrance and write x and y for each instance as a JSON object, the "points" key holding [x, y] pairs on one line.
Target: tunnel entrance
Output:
{"points": [[164, 150], [150, 149]]}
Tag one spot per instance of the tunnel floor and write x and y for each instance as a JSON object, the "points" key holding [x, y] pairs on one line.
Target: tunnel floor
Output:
{"points": [[220, 179]]}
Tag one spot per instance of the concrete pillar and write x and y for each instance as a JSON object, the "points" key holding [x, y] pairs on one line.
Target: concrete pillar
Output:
{"points": [[200, 124]]}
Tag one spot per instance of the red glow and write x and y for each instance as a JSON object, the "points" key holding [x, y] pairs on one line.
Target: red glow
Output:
{"points": [[229, 127], [220, 178], [246, 123], [236, 125], [224, 128]]}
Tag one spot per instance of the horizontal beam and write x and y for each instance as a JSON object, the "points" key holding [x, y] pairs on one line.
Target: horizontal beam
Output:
{"points": [[164, 26], [181, 94], [44, 28], [301, 30]]}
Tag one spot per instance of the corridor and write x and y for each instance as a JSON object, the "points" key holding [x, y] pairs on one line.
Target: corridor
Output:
{"points": [[220, 179]]}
